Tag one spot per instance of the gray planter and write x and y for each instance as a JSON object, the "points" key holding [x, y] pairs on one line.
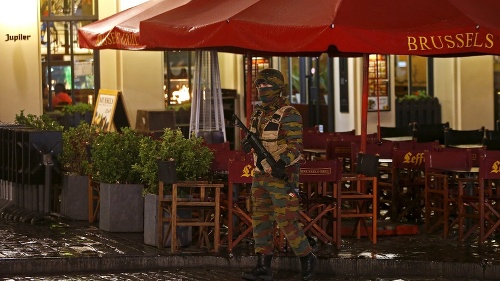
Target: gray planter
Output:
{"points": [[184, 233], [74, 197], [122, 207]]}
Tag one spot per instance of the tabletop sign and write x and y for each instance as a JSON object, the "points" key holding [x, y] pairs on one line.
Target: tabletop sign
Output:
{"points": [[110, 110]]}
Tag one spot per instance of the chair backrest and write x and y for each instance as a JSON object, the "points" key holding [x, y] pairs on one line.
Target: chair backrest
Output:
{"points": [[489, 165], [357, 138], [430, 132], [448, 159], [408, 145], [351, 132], [390, 132], [492, 134], [220, 162], [409, 155], [383, 149], [458, 137], [218, 146], [408, 158], [240, 171], [339, 149], [321, 171], [314, 139], [367, 164], [491, 144]]}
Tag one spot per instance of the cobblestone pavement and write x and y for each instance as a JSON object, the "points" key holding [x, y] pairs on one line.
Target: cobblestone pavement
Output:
{"points": [[204, 274], [54, 246]]}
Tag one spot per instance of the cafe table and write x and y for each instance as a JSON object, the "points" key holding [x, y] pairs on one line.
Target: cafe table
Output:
{"points": [[402, 138]]}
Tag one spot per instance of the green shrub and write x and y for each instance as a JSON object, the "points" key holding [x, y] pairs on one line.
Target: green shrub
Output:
{"points": [[75, 158], [192, 158], [43, 122], [113, 154]]}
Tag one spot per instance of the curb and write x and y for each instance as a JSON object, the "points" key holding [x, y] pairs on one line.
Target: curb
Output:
{"points": [[331, 266]]}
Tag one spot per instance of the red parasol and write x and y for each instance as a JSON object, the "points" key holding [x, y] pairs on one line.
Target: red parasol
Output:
{"points": [[283, 27]]}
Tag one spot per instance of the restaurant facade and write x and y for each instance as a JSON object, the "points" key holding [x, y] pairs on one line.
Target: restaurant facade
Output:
{"points": [[40, 48]]}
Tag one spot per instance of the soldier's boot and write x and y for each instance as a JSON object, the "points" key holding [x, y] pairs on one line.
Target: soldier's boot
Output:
{"points": [[262, 271], [308, 265]]}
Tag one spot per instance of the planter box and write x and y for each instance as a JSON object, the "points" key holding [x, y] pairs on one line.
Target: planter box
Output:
{"points": [[122, 207], [74, 197], [184, 233], [426, 111]]}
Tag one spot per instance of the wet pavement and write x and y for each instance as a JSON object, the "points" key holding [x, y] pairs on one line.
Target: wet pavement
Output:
{"points": [[54, 248]]}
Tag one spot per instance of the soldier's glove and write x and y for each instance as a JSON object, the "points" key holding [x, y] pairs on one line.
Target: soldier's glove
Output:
{"points": [[246, 146], [279, 170]]}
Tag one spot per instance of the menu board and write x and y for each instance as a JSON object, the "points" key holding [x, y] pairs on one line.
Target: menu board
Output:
{"points": [[109, 110]]}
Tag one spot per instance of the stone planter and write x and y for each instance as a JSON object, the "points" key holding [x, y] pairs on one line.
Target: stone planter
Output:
{"points": [[184, 233], [74, 197], [122, 207]]}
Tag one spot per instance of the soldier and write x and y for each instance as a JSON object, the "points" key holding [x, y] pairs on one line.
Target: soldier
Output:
{"points": [[279, 126]]}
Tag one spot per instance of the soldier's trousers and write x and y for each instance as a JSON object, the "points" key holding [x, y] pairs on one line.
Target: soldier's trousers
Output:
{"points": [[271, 202]]}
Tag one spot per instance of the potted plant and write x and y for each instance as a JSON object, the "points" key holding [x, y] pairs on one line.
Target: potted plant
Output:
{"points": [[75, 164], [121, 202], [192, 162], [74, 114]]}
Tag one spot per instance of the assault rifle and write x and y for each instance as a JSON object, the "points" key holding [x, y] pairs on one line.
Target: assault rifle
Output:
{"points": [[252, 141]]}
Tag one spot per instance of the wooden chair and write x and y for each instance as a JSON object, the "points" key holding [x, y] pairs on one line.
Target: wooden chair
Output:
{"points": [[442, 168], [479, 199], [202, 200], [357, 138], [430, 132], [358, 199], [314, 139], [409, 180], [463, 137], [492, 139], [319, 206], [343, 150], [216, 147], [384, 150], [238, 203], [390, 132]]}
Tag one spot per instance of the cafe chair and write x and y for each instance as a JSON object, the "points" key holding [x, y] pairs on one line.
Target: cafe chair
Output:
{"points": [[391, 132], [314, 142], [358, 200], [202, 200], [409, 180], [430, 132], [492, 139], [442, 169], [479, 199], [463, 138], [315, 139], [319, 212], [238, 202], [384, 150], [356, 138]]}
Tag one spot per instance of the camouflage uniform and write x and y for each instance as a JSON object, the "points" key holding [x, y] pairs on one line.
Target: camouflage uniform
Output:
{"points": [[271, 201]]}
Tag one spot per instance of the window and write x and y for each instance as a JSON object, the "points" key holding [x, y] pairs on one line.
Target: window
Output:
{"points": [[62, 59], [412, 75]]}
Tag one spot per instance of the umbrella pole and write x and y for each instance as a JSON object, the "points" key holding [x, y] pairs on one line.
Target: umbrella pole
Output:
{"points": [[249, 88], [364, 103]]}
